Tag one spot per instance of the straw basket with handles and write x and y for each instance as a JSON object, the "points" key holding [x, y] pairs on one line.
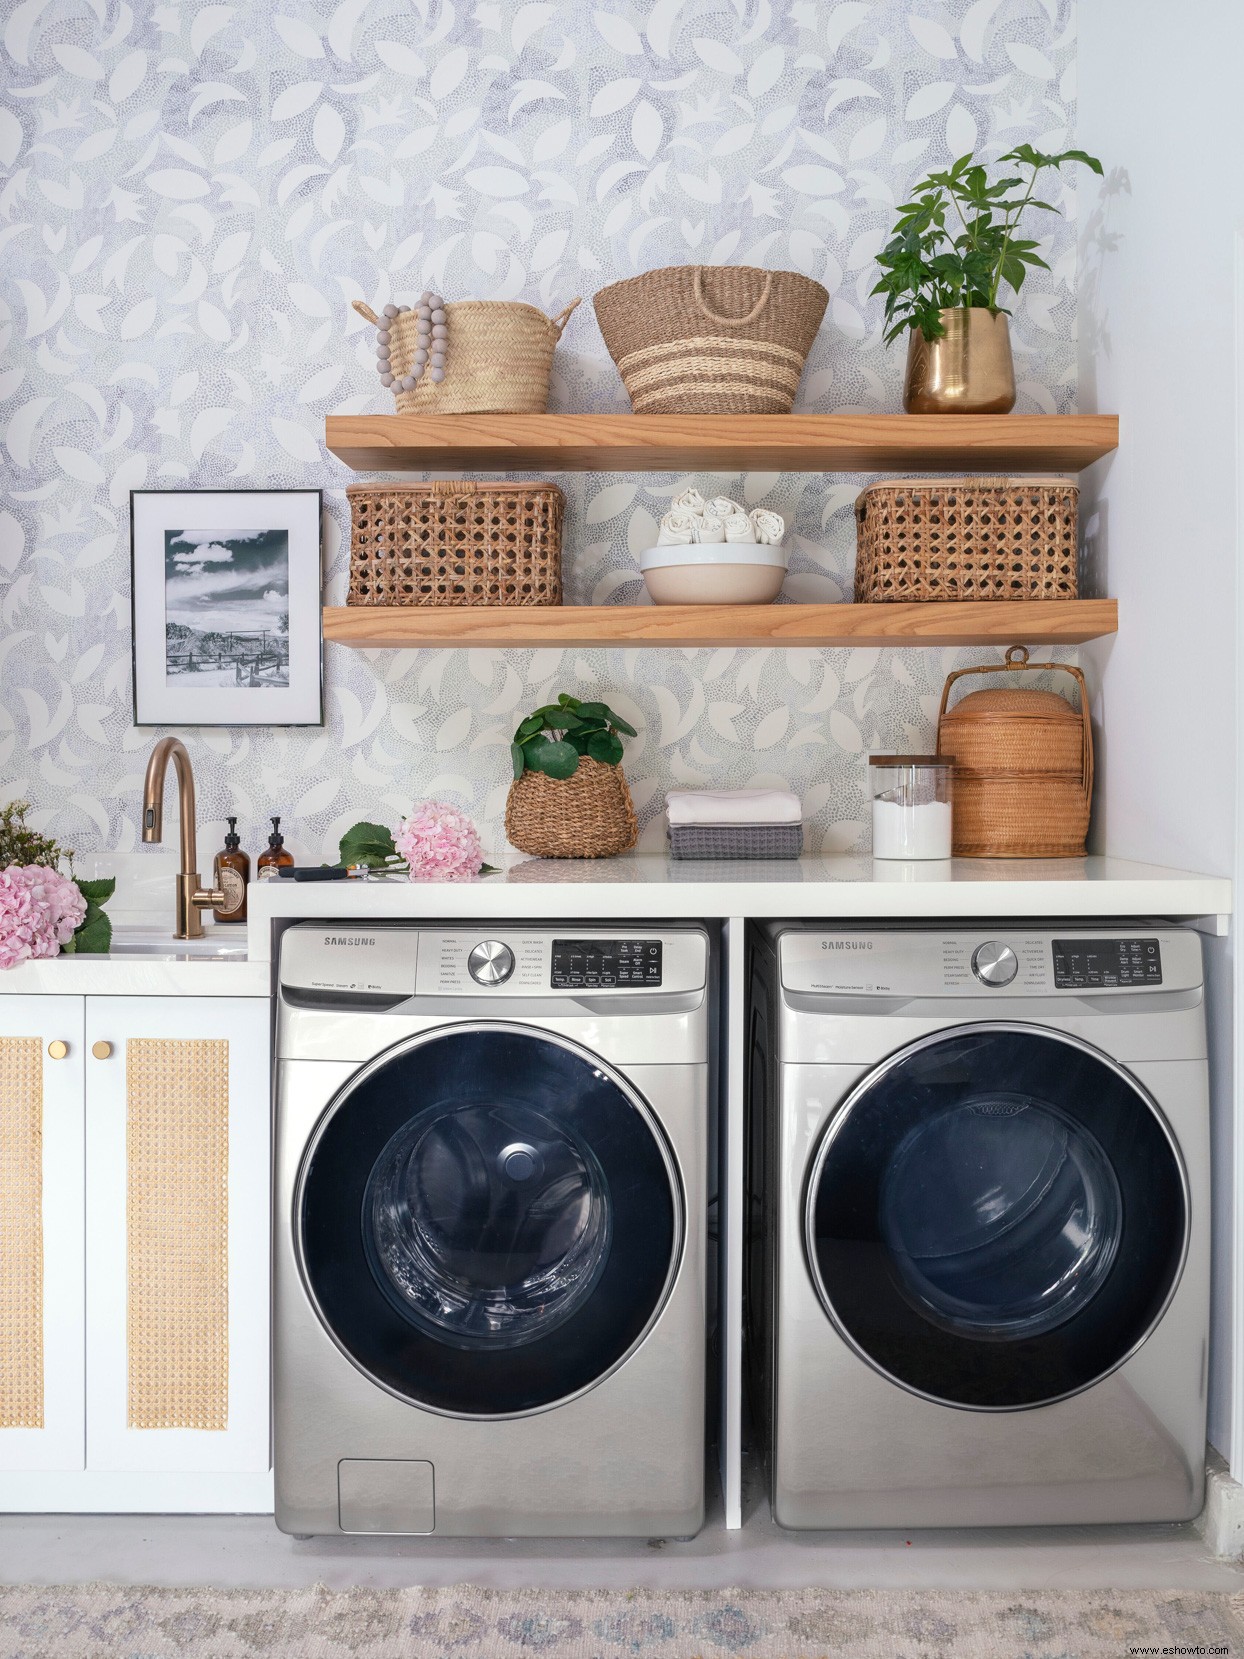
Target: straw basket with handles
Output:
{"points": [[1023, 766], [498, 358], [711, 339], [587, 815]]}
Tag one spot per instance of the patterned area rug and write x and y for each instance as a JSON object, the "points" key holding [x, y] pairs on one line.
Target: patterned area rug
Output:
{"points": [[94, 1621]]}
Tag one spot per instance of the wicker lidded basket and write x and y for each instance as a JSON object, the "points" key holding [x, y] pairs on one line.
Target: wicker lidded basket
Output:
{"points": [[455, 544], [711, 339], [498, 358], [1023, 766], [587, 815], [967, 538]]}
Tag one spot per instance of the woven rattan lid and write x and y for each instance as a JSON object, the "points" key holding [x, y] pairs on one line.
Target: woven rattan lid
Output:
{"points": [[1012, 705]]}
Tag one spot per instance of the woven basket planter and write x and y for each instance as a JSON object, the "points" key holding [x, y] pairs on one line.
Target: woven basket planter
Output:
{"points": [[498, 358], [587, 815], [1023, 766], [455, 544], [967, 538], [711, 339]]}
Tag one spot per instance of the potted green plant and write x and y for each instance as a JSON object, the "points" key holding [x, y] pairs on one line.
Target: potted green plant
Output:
{"points": [[954, 246], [569, 798]]}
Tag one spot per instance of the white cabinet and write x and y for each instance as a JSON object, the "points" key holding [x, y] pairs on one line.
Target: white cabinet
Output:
{"points": [[152, 1246], [42, 1374]]}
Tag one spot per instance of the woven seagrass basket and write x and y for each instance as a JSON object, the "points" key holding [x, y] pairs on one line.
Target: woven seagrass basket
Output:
{"points": [[967, 538], [711, 339], [455, 544], [587, 815], [1023, 766], [498, 358]]}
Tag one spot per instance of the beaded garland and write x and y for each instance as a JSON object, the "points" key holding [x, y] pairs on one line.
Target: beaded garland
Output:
{"points": [[432, 334]]}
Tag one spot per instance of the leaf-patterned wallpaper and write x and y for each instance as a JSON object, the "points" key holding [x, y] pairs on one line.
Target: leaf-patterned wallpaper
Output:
{"points": [[191, 196]]}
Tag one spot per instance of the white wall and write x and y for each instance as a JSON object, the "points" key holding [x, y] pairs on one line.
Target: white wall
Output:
{"points": [[1160, 343]]}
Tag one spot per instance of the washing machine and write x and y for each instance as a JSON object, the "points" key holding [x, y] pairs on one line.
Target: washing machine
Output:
{"points": [[489, 1254], [978, 1248]]}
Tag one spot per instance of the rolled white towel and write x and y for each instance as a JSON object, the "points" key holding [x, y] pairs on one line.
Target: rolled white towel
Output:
{"points": [[769, 527], [733, 806], [678, 528], [738, 527], [709, 529], [724, 507], [690, 501]]}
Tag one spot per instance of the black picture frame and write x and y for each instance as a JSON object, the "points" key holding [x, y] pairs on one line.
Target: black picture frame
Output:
{"points": [[198, 670]]}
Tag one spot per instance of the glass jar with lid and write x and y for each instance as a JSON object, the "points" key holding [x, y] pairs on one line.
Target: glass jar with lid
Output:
{"points": [[912, 802]]}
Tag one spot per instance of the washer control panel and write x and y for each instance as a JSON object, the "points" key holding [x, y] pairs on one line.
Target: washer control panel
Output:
{"points": [[602, 963], [1103, 963]]}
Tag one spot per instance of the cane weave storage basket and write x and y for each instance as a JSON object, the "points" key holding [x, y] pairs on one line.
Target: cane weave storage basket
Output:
{"points": [[967, 538], [498, 358], [455, 544], [1023, 766], [587, 815], [711, 339]]}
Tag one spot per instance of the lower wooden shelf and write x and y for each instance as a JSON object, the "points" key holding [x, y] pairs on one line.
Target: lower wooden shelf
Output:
{"points": [[971, 622]]}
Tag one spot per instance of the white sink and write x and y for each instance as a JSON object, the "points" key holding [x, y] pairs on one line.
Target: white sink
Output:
{"points": [[149, 939]]}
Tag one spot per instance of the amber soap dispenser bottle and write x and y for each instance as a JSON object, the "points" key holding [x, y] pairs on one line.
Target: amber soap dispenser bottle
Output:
{"points": [[230, 874], [277, 856]]}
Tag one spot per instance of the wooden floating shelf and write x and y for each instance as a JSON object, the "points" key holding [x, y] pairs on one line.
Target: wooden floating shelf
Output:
{"points": [[721, 443], [972, 622]]}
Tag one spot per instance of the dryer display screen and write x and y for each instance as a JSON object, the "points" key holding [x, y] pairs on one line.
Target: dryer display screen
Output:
{"points": [[1084, 963], [600, 963]]}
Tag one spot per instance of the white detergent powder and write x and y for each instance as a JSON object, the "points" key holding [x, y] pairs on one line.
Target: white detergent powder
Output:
{"points": [[901, 831]]}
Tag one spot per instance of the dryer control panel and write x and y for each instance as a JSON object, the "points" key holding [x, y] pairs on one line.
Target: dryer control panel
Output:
{"points": [[997, 962]]}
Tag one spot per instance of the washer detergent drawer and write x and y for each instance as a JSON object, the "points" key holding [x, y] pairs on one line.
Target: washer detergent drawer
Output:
{"points": [[385, 1495]]}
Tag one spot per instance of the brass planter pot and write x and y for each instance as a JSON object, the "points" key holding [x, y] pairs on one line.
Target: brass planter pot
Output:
{"points": [[967, 372]]}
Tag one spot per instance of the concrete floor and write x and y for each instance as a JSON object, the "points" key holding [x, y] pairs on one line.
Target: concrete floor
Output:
{"points": [[247, 1551]]}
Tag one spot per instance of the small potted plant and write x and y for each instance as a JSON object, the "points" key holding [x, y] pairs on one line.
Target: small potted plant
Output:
{"points": [[569, 798], [942, 277]]}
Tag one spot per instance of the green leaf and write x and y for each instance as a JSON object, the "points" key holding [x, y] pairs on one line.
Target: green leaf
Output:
{"points": [[605, 747], [533, 723], [554, 759], [490, 869], [369, 844], [95, 934], [518, 758], [98, 891], [623, 725], [567, 701]]}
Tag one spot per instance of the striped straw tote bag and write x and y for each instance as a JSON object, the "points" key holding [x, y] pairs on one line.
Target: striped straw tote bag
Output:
{"points": [[711, 339]]}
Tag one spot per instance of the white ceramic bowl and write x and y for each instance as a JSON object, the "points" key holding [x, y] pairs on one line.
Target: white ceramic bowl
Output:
{"points": [[714, 573]]}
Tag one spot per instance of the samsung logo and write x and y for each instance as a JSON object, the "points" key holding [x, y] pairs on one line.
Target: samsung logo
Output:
{"points": [[846, 944], [349, 939]]}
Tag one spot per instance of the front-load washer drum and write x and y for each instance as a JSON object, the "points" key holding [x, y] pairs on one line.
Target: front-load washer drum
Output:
{"points": [[996, 1217], [488, 1220]]}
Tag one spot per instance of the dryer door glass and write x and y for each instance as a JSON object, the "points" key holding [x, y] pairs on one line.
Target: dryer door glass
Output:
{"points": [[997, 1217], [489, 1220]]}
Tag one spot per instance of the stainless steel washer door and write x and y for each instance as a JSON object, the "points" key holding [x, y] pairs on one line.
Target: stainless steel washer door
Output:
{"points": [[488, 1220], [996, 1217]]}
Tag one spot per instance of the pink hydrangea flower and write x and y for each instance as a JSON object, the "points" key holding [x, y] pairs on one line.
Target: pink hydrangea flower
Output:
{"points": [[439, 843], [39, 911]]}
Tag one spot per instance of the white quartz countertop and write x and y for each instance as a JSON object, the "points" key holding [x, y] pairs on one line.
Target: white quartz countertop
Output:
{"points": [[236, 961], [652, 887]]}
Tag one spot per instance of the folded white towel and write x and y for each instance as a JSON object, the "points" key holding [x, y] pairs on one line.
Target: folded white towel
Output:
{"points": [[724, 507], [710, 528], [690, 501], [738, 527], [733, 806], [769, 527], [678, 528]]}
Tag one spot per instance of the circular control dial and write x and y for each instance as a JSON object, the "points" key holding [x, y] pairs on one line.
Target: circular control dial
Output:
{"points": [[994, 963], [490, 963]]}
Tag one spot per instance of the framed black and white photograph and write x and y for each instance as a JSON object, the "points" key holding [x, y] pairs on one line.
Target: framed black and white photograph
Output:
{"points": [[226, 607]]}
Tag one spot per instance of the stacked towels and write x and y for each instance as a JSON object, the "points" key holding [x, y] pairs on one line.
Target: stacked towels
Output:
{"points": [[692, 520], [734, 823]]}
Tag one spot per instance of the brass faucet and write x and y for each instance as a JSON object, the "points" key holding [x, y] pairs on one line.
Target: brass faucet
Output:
{"points": [[191, 899]]}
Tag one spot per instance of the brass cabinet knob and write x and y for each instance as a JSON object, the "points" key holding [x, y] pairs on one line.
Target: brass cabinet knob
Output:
{"points": [[101, 1050], [57, 1050]]}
